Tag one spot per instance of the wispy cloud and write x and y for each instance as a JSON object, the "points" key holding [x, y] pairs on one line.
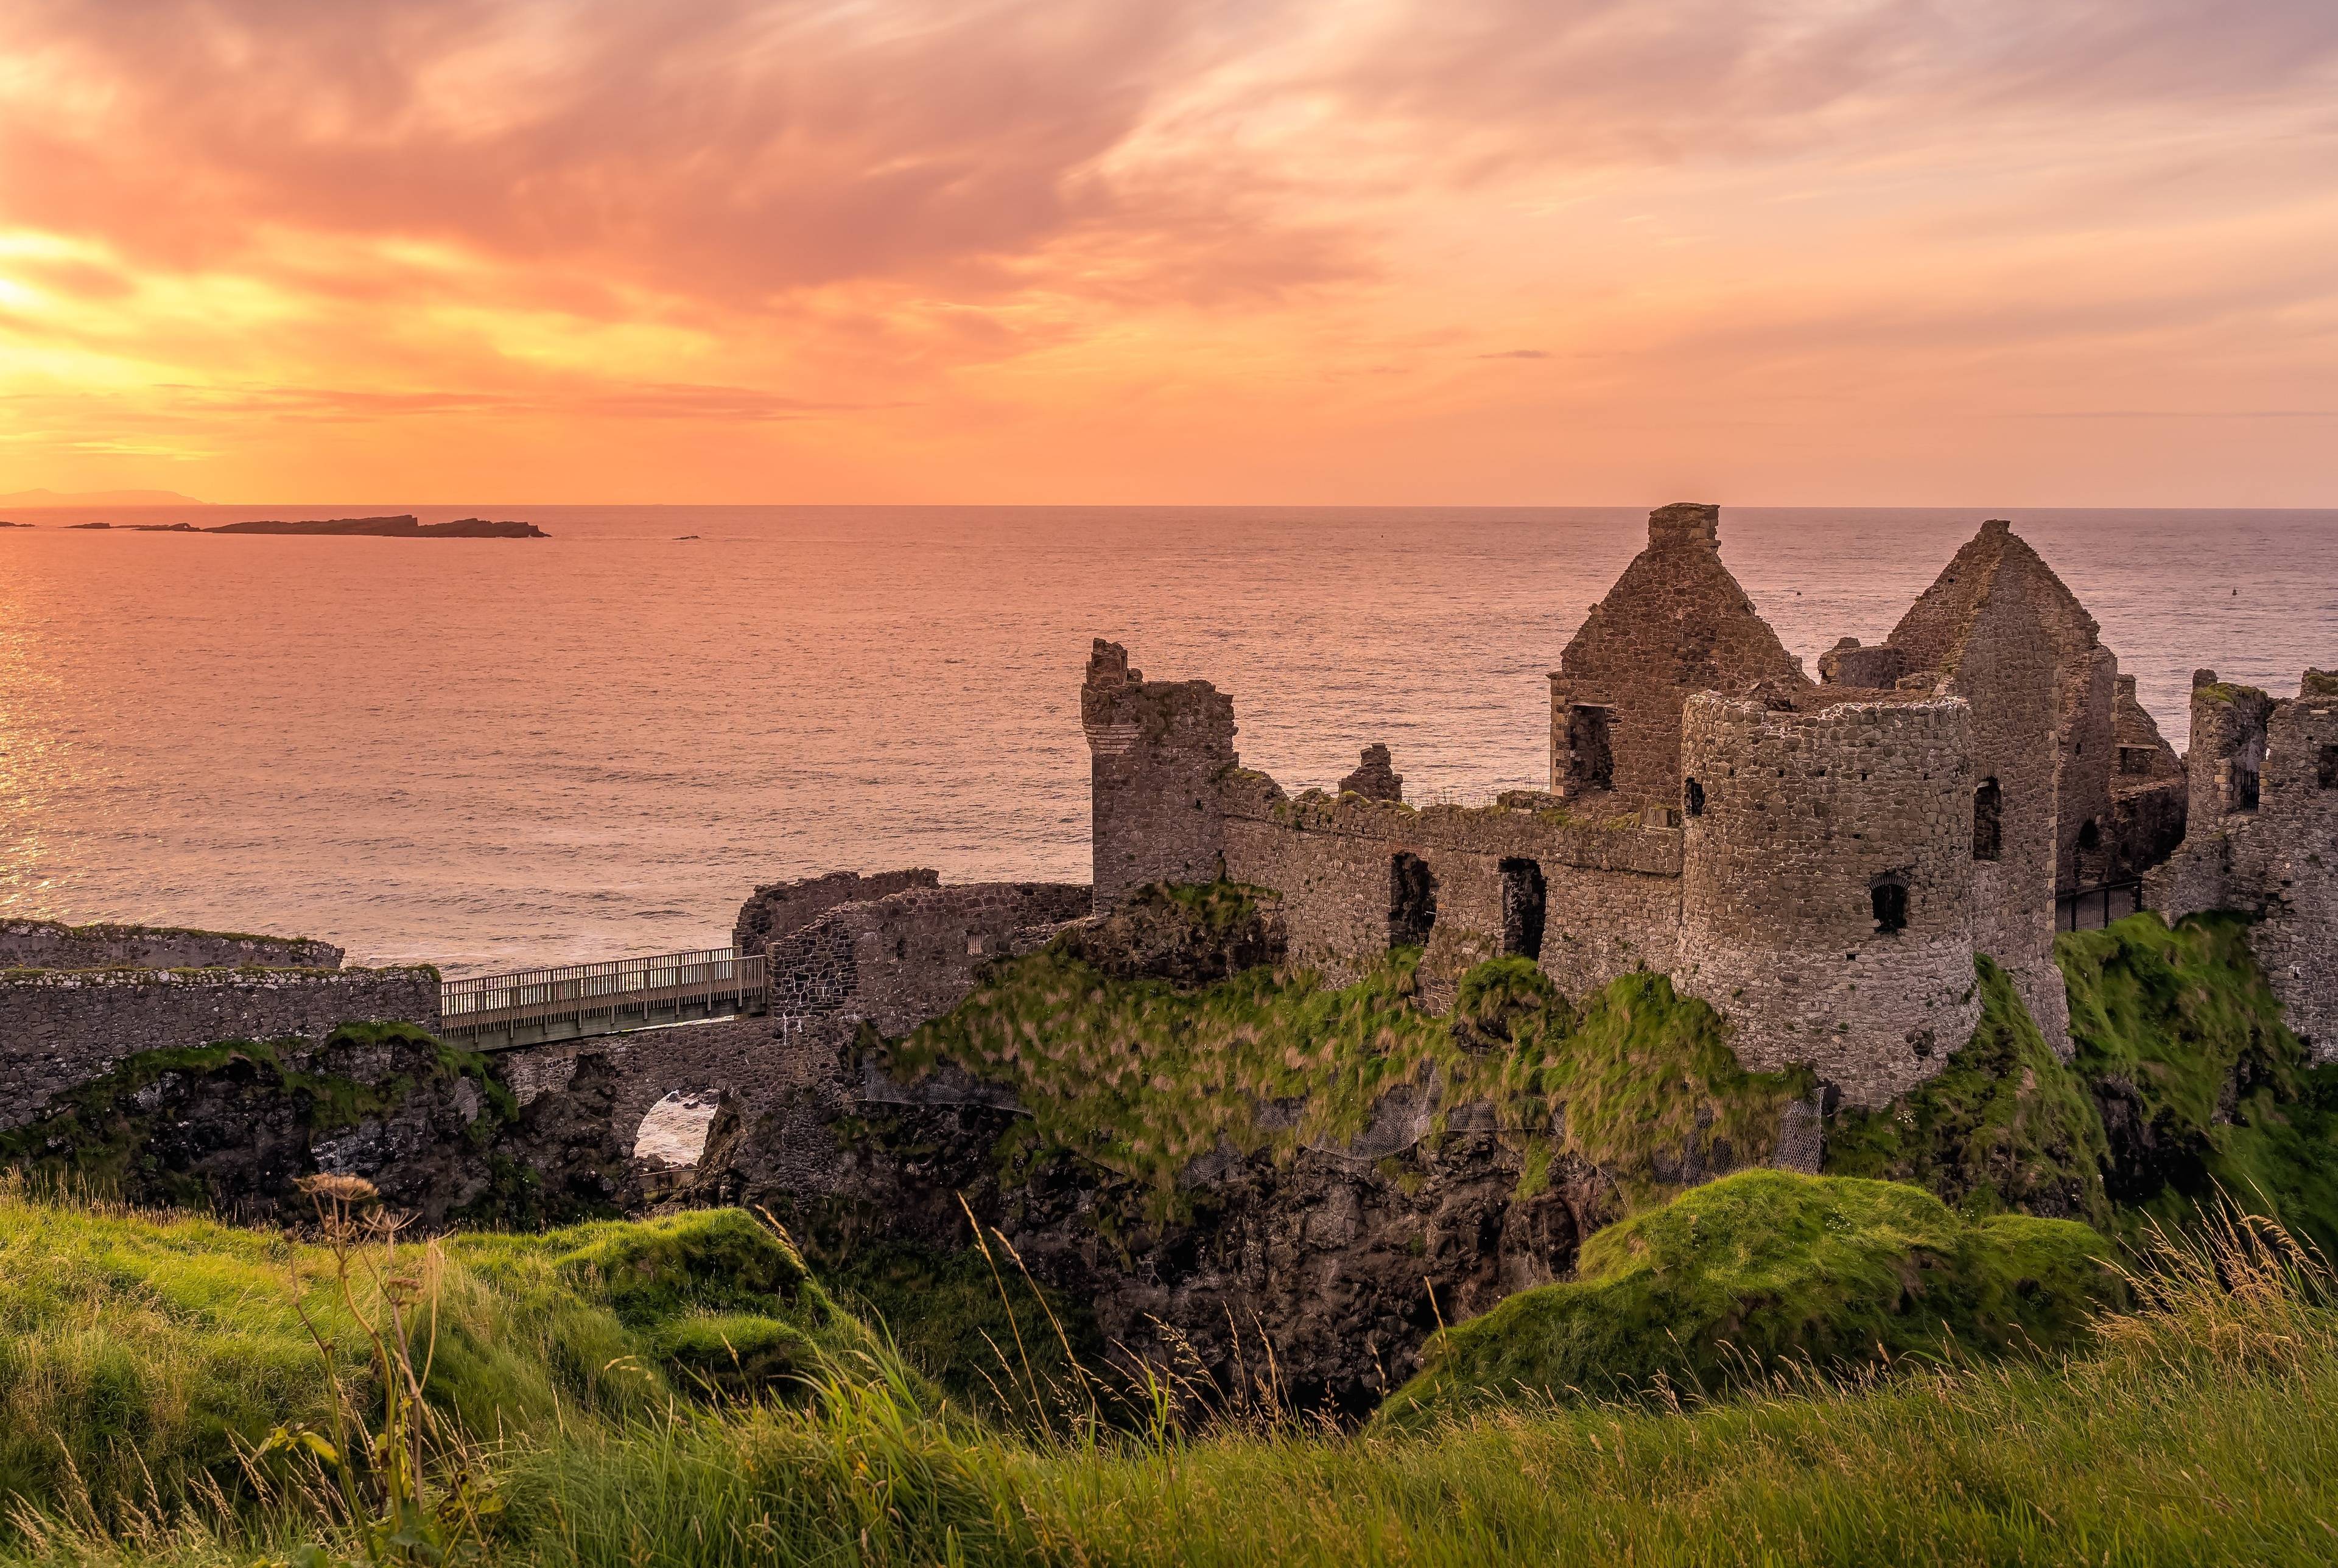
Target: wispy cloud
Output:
{"points": [[1188, 247]]}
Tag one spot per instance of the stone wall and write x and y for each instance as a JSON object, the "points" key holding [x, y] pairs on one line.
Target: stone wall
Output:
{"points": [[751, 1063], [2150, 797], [1610, 891], [53, 945], [1676, 624], [2297, 941], [2262, 839], [1156, 750], [779, 908], [62, 1027], [900, 960], [2004, 664], [1942, 627], [1805, 816]]}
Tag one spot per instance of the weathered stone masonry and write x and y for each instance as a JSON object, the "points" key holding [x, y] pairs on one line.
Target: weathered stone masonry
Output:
{"points": [[1156, 750], [2263, 837], [1826, 902], [61, 1028], [53, 945], [1824, 863]]}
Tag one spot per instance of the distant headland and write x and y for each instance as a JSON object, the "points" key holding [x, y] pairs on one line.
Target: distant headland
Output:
{"points": [[403, 526]]}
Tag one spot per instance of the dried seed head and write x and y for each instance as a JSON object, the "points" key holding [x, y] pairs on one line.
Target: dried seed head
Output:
{"points": [[353, 1191]]}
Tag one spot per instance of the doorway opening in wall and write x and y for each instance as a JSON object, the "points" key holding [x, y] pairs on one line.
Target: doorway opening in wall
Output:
{"points": [[1887, 897], [2245, 787], [1989, 821], [1525, 900], [1590, 749], [1413, 901]]}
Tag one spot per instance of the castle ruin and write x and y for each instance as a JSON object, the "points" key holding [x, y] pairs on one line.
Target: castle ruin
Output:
{"points": [[1823, 861]]}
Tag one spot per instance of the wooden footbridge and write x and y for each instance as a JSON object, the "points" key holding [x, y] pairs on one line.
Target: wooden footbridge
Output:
{"points": [[537, 1006]]}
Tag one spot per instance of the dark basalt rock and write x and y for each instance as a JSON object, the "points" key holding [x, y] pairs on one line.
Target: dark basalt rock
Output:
{"points": [[1329, 1260], [233, 1127], [403, 526]]}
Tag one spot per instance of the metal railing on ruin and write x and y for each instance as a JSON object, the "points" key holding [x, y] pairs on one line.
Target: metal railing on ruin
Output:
{"points": [[529, 1006], [2092, 909]]}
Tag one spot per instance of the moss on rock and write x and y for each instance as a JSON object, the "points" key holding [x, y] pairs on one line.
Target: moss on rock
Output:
{"points": [[1758, 1271], [2007, 1126], [2183, 1083], [2200, 1084]]}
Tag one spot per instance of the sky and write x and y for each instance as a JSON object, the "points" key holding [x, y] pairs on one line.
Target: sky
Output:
{"points": [[2055, 253]]}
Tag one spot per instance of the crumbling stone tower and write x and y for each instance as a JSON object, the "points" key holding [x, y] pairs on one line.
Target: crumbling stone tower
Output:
{"points": [[1986, 631], [2263, 838], [1157, 750], [1676, 624], [1826, 884], [1964, 612]]}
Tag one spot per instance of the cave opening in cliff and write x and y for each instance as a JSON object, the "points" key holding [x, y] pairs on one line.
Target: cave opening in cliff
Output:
{"points": [[672, 1135]]}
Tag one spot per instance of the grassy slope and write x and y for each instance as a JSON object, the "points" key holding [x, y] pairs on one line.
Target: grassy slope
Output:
{"points": [[1143, 1077], [134, 1343], [2177, 1038], [2201, 1427], [2005, 1127], [1738, 1278], [2201, 1430]]}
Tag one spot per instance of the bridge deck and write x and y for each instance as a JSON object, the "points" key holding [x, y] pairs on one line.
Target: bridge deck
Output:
{"points": [[532, 1007]]}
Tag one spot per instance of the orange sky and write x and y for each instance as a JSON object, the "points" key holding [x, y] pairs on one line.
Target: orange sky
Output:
{"points": [[1819, 252]]}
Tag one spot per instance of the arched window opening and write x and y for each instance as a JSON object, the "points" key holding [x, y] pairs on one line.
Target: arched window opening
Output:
{"points": [[1525, 900], [1692, 799], [1989, 821], [1887, 897], [2091, 835], [1413, 901]]}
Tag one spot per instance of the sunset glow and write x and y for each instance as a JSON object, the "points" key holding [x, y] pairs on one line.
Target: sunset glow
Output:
{"points": [[1390, 251]]}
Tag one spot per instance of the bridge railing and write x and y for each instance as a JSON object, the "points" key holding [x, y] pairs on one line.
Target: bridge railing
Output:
{"points": [[596, 999]]}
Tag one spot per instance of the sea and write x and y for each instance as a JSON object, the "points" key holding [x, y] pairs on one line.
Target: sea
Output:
{"points": [[497, 754]]}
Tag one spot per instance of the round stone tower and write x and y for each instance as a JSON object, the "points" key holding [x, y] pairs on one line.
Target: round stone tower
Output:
{"points": [[1826, 887]]}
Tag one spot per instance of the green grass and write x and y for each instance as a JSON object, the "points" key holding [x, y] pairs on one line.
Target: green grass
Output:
{"points": [[1143, 1077], [2184, 1085], [2182, 1042], [2005, 1127], [1764, 1269], [140, 1345], [2198, 1425]]}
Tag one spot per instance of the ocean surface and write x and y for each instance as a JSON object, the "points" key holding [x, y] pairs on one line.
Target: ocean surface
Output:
{"points": [[492, 754]]}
